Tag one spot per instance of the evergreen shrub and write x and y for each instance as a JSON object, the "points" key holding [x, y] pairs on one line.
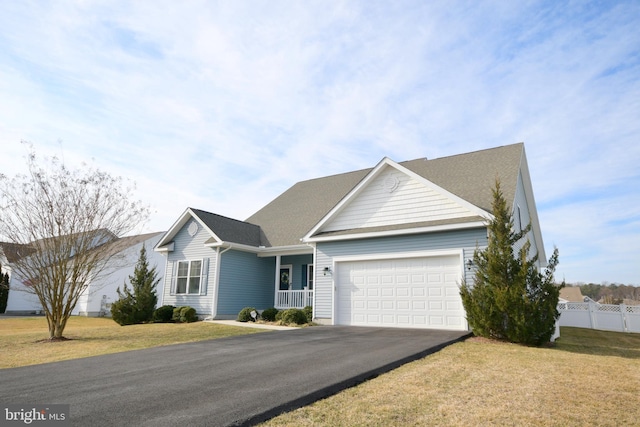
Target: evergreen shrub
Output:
{"points": [[245, 315], [163, 314], [292, 315], [184, 314], [308, 312], [270, 314], [510, 299]]}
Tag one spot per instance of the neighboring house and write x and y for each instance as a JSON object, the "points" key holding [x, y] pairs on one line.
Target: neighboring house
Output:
{"points": [[97, 297], [10, 253], [386, 246], [96, 300], [571, 294]]}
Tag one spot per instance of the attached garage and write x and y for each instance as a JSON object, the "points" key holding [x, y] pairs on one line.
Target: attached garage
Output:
{"points": [[403, 292]]}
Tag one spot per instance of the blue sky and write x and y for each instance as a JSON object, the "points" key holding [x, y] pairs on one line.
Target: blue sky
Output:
{"points": [[223, 105]]}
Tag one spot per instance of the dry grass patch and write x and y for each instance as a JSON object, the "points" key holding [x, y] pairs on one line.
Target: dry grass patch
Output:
{"points": [[589, 378], [20, 336]]}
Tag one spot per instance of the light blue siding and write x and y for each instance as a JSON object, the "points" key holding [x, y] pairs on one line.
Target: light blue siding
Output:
{"points": [[245, 281], [467, 240], [187, 247], [299, 273]]}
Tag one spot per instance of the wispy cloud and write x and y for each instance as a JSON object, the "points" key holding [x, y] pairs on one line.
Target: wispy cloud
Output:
{"points": [[222, 106]]}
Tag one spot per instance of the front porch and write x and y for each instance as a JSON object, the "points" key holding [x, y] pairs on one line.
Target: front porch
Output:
{"points": [[293, 299], [294, 279]]}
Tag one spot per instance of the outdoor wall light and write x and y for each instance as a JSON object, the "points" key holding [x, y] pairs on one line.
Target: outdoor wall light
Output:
{"points": [[469, 264], [326, 271]]}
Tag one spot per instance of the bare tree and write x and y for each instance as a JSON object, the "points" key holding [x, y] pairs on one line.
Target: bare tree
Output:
{"points": [[71, 221]]}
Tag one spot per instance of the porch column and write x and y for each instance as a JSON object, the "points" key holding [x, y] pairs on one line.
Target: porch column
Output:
{"points": [[276, 281]]}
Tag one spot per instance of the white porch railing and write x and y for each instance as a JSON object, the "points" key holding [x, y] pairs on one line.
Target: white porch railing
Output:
{"points": [[608, 317], [293, 299]]}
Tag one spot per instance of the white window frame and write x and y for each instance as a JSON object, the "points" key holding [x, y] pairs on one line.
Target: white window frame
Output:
{"points": [[188, 277], [310, 277]]}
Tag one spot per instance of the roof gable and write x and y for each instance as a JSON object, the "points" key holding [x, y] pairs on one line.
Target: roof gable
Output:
{"points": [[220, 228], [391, 196], [469, 177]]}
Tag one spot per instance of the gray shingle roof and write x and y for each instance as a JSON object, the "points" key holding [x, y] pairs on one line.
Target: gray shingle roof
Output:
{"points": [[470, 176], [231, 230]]}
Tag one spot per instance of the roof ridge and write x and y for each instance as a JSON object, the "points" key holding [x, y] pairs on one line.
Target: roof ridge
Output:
{"points": [[462, 154], [337, 174], [222, 216]]}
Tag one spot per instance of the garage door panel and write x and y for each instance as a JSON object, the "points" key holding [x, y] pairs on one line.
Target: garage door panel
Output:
{"points": [[403, 291], [403, 305], [419, 320], [418, 292], [419, 305], [436, 320], [435, 292], [373, 304], [414, 292], [451, 291]]}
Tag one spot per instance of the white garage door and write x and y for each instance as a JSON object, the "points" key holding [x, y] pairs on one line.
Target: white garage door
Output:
{"points": [[405, 293]]}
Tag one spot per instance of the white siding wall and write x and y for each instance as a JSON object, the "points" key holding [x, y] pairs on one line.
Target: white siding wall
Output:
{"points": [[90, 301], [19, 301], [191, 248], [524, 218], [467, 240], [395, 198]]}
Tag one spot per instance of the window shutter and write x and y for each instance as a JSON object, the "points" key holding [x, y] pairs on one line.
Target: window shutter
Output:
{"points": [[174, 271], [204, 280]]}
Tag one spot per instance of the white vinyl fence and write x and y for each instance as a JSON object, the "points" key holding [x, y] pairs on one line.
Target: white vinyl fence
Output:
{"points": [[607, 317]]}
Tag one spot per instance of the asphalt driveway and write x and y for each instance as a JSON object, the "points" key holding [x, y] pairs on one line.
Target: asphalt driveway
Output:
{"points": [[230, 381]]}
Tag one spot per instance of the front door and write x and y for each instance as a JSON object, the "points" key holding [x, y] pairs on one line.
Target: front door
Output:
{"points": [[285, 277]]}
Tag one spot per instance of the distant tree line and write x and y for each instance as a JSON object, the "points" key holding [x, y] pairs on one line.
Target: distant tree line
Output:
{"points": [[609, 293]]}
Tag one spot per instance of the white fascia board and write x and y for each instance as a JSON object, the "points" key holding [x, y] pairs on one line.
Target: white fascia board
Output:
{"points": [[177, 226], [231, 245], [476, 211], [355, 191], [533, 210], [473, 208], [263, 252], [165, 248], [417, 230], [286, 250]]}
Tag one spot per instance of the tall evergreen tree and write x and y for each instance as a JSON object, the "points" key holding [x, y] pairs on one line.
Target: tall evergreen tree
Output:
{"points": [[510, 298], [136, 305]]}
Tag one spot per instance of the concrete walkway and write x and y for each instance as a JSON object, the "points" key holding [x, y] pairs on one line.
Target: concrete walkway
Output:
{"points": [[254, 325]]}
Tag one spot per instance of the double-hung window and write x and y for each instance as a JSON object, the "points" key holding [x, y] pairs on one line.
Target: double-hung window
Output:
{"points": [[188, 277]]}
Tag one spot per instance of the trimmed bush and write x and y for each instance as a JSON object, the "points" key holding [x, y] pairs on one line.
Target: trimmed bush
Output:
{"points": [[270, 314], [163, 314], [245, 315], [292, 315], [184, 314], [308, 311]]}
